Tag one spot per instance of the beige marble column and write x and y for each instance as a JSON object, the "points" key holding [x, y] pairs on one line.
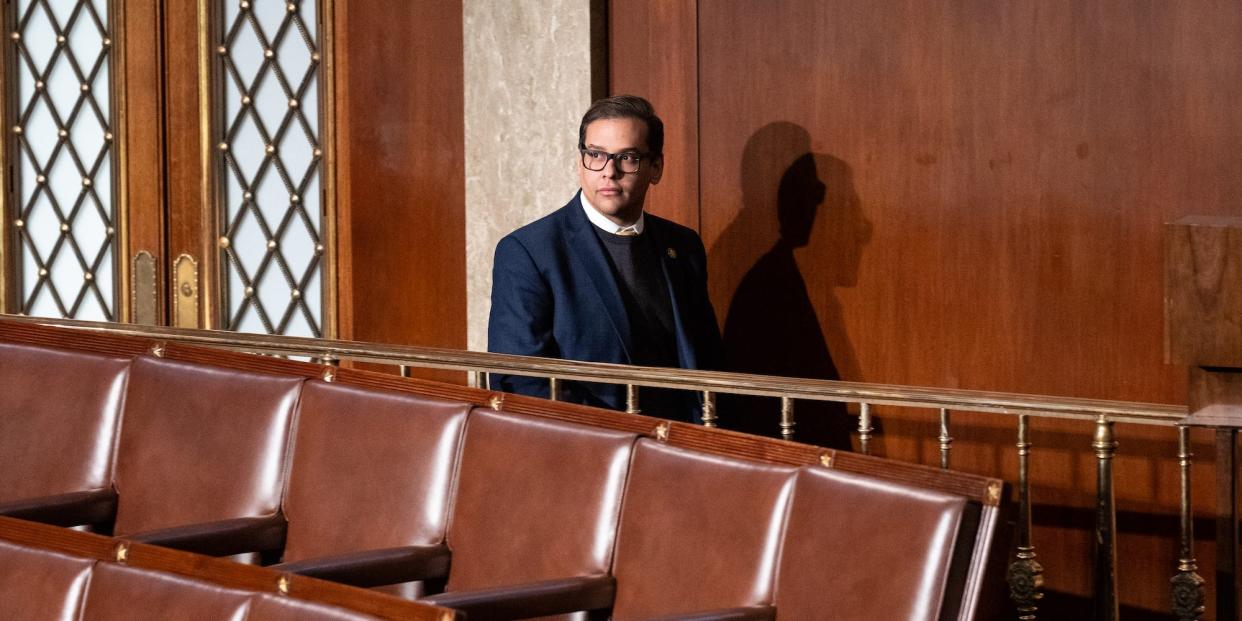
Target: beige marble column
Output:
{"points": [[528, 79]]}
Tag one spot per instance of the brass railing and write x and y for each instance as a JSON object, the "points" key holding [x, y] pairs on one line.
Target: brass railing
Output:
{"points": [[1025, 574]]}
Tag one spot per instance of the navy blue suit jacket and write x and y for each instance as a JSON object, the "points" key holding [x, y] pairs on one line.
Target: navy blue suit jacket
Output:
{"points": [[554, 295]]}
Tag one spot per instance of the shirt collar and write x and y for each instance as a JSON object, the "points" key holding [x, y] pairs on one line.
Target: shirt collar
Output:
{"points": [[604, 224]]}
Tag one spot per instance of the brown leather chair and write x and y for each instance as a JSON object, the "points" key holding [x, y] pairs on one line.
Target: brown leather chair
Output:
{"points": [[59, 412], [370, 483], [36, 584], [858, 547], [534, 517], [123, 593], [699, 535], [201, 462]]}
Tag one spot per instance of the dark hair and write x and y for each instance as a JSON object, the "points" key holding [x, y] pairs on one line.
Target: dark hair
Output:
{"points": [[626, 107]]}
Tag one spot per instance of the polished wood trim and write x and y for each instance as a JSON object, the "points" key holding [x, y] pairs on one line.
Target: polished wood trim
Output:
{"points": [[140, 133], [186, 184], [330, 208], [340, 149], [122, 282], [109, 344], [210, 274]]}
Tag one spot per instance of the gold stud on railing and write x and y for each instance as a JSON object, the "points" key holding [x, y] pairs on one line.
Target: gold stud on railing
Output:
{"points": [[825, 459], [994, 493], [157, 349], [661, 432], [864, 428], [282, 585], [121, 552], [329, 374], [709, 408], [495, 402], [787, 418]]}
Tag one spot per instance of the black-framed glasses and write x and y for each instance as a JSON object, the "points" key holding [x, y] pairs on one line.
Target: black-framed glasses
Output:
{"points": [[628, 162]]}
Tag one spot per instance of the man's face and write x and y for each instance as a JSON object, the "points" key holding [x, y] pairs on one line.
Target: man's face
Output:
{"points": [[617, 195]]}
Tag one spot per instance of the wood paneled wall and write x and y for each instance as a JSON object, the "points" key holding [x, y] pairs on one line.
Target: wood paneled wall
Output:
{"points": [[961, 194], [400, 172]]}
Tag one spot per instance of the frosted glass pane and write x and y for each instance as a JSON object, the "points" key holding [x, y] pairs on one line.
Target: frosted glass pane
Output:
{"points": [[272, 142], [43, 226], [64, 160], [249, 243]]}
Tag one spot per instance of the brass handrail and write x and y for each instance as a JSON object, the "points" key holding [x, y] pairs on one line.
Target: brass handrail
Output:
{"points": [[714, 381]]}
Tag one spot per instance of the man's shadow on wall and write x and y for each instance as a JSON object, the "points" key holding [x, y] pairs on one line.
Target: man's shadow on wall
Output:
{"points": [[772, 326]]}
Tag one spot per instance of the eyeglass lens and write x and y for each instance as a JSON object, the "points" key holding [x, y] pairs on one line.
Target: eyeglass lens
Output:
{"points": [[597, 160]]}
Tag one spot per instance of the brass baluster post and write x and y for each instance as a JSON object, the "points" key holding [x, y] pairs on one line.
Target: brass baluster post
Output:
{"points": [[554, 389], [787, 418], [1188, 595], [709, 408], [864, 428], [403, 370], [1105, 606], [478, 379], [631, 399], [1025, 575], [946, 440]]}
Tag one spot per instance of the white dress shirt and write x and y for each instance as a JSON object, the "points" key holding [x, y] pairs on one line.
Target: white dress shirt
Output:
{"points": [[608, 226]]}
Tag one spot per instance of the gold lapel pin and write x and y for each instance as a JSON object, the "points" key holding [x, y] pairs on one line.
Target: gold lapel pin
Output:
{"points": [[672, 254]]}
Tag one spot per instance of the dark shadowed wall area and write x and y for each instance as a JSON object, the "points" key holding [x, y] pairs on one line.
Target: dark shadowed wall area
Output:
{"points": [[960, 194]]}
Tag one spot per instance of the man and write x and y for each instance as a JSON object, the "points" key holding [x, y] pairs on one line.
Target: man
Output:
{"points": [[599, 280]]}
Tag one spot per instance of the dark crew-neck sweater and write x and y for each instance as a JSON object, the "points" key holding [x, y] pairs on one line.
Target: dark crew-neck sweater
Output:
{"points": [[636, 264]]}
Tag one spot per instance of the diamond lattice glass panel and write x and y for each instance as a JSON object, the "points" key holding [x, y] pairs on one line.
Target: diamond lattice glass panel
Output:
{"points": [[62, 197], [269, 163]]}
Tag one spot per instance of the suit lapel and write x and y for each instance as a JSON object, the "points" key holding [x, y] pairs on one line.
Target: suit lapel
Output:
{"points": [[671, 259], [588, 254]]}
